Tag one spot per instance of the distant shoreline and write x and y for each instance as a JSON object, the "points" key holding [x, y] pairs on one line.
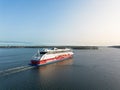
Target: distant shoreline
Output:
{"points": [[73, 47], [115, 46]]}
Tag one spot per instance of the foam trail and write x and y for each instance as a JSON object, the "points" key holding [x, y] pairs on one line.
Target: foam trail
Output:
{"points": [[14, 70]]}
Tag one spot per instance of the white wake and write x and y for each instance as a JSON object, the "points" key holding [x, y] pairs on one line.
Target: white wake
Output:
{"points": [[14, 70]]}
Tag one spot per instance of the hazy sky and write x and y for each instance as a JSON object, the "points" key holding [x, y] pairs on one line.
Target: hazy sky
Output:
{"points": [[60, 22]]}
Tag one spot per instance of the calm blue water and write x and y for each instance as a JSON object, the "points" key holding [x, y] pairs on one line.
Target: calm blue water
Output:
{"points": [[87, 70]]}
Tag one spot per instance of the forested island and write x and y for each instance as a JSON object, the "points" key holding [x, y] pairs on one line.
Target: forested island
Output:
{"points": [[73, 47], [115, 46]]}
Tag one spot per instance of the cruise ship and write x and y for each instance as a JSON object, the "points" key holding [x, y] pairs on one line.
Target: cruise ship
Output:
{"points": [[47, 56]]}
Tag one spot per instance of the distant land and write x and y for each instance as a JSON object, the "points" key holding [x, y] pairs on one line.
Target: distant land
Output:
{"points": [[73, 47], [118, 46]]}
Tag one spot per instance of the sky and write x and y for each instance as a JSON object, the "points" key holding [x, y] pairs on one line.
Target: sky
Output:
{"points": [[60, 22]]}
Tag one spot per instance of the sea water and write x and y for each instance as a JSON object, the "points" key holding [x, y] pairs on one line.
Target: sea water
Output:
{"points": [[87, 70]]}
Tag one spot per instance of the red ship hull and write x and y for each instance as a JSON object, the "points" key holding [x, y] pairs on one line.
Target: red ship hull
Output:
{"points": [[50, 60]]}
